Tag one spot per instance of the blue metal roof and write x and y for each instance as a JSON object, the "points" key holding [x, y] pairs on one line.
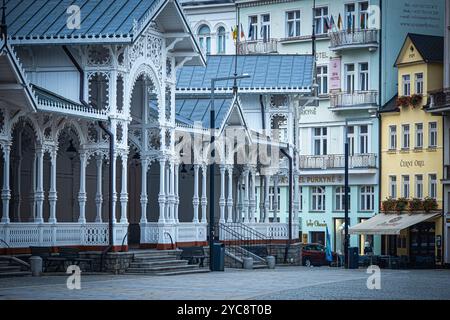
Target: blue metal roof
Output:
{"points": [[189, 110], [48, 18], [289, 72]]}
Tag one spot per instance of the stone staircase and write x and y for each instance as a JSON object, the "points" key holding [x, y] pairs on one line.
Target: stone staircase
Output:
{"points": [[9, 268], [235, 258], [161, 263]]}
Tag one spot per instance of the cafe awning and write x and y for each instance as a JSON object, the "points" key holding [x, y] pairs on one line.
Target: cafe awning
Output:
{"points": [[390, 223]]}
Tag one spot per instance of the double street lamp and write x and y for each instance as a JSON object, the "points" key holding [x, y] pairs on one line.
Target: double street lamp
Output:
{"points": [[213, 154]]}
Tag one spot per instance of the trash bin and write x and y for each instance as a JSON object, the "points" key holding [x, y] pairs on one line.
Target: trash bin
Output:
{"points": [[353, 258], [218, 257], [36, 266]]}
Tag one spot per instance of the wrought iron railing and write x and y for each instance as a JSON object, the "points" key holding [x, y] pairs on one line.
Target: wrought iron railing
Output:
{"points": [[357, 98], [440, 99], [333, 161], [258, 46], [348, 38]]}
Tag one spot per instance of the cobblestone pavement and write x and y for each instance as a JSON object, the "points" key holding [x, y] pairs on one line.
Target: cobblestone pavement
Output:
{"points": [[281, 283]]}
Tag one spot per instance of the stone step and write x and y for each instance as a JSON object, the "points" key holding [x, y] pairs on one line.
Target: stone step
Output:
{"points": [[14, 274], [155, 258], [155, 253], [158, 263], [9, 268], [177, 273], [162, 269]]}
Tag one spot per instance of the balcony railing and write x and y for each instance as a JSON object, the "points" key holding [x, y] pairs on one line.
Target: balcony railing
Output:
{"points": [[440, 99], [337, 161], [258, 46], [353, 100], [366, 38]]}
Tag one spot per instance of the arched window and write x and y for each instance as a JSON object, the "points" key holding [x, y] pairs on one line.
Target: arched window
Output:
{"points": [[204, 38], [318, 199], [340, 199], [221, 40]]}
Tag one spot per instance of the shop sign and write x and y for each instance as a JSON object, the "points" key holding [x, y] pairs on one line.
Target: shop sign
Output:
{"points": [[331, 179], [315, 223]]}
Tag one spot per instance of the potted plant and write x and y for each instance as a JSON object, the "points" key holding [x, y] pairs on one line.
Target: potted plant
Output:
{"points": [[416, 100], [403, 101], [430, 204], [415, 205], [389, 205], [401, 205]]}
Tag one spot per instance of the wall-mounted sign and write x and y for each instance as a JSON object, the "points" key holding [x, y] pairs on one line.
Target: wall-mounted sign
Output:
{"points": [[331, 179], [315, 223], [412, 163], [335, 74]]}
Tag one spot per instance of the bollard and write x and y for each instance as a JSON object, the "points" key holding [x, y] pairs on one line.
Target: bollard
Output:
{"points": [[248, 263], [36, 266], [270, 262]]}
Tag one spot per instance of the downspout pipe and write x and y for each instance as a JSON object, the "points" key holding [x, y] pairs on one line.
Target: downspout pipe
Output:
{"points": [[287, 155], [111, 145]]}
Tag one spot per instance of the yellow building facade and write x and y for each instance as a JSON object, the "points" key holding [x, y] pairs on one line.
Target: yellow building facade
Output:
{"points": [[412, 141]]}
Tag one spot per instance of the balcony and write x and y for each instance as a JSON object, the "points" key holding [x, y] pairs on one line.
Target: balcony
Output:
{"points": [[440, 100], [337, 161], [352, 101], [258, 46], [446, 178], [342, 40]]}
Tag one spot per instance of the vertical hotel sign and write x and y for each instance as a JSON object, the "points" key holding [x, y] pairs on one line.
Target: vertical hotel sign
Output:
{"points": [[335, 74]]}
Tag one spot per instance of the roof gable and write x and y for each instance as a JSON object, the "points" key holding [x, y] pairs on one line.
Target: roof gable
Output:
{"points": [[421, 48]]}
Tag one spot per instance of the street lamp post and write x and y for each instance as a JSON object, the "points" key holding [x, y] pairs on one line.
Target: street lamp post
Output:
{"points": [[212, 126], [346, 235]]}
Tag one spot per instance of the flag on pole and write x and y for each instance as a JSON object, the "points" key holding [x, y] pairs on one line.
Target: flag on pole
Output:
{"points": [[328, 254], [339, 22], [242, 32], [234, 32], [332, 24]]}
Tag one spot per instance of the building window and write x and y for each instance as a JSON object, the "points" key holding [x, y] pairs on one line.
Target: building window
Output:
{"points": [[350, 17], [405, 187], [320, 141], [221, 40], [432, 129], [340, 199], [419, 83], [364, 15], [293, 24], [419, 186], [364, 139], [393, 187], [204, 38], [419, 136], [321, 20], [432, 180], [272, 198], [367, 198], [392, 137], [406, 85], [318, 199], [405, 134], [322, 79], [265, 27], [350, 78], [364, 76], [351, 139], [252, 28]]}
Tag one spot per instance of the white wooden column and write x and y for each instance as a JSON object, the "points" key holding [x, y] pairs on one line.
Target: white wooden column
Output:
{"points": [[252, 196], [230, 194], [114, 181], [18, 195], [52, 194], [124, 192], [222, 200], [39, 195], [177, 196], [162, 191], [33, 189], [99, 194], [6, 192], [195, 199], [296, 198], [82, 197], [275, 198], [144, 195], [266, 198], [204, 198], [261, 198], [246, 195], [169, 193]]}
